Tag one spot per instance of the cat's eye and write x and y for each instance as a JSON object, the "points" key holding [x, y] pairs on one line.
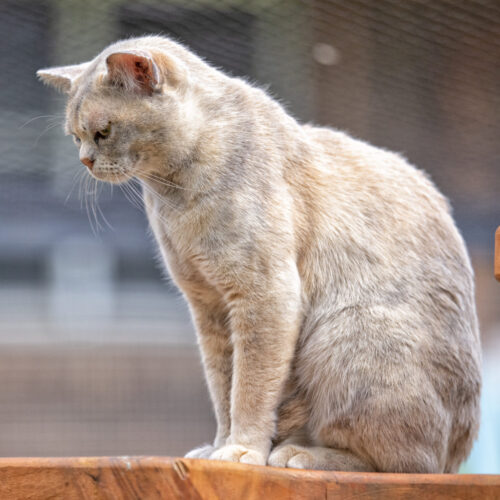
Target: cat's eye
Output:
{"points": [[102, 134], [76, 139]]}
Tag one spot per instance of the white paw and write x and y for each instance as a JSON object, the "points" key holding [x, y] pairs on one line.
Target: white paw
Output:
{"points": [[201, 452], [239, 453], [292, 456]]}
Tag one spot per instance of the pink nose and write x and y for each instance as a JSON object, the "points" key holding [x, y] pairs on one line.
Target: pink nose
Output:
{"points": [[87, 162]]}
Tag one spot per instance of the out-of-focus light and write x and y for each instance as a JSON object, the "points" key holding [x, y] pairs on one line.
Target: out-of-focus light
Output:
{"points": [[325, 54]]}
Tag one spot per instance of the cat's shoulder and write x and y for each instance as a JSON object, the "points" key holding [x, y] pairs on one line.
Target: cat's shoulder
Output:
{"points": [[353, 158]]}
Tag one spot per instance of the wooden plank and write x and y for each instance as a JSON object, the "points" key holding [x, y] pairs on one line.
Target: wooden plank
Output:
{"points": [[153, 478], [497, 254]]}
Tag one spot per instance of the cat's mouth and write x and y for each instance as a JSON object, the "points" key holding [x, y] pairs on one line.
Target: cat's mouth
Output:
{"points": [[113, 175]]}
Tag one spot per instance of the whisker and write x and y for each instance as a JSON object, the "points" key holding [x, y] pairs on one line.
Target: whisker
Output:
{"points": [[81, 193], [91, 202], [47, 128], [128, 192], [155, 195], [95, 205], [164, 202], [86, 192], [145, 187], [132, 196], [76, 177], [41, 116], [91, 205], [90, 189], [101, 187]]}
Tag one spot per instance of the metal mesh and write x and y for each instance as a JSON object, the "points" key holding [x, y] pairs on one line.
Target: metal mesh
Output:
{"points": [[420, 77]]}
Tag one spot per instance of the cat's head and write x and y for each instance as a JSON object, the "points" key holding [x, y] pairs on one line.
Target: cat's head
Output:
{"points": [[129, 111]]}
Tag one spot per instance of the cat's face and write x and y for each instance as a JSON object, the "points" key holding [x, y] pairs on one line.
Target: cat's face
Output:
{"points": [[126, 117], [118, 136]]}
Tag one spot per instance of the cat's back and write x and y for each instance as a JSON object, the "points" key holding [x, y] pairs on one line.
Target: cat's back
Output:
{"points": [[379, 199], [368, 169]]}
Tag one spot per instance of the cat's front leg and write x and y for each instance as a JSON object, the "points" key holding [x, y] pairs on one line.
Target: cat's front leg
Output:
{"points": [[264, 330], [216, 353]]}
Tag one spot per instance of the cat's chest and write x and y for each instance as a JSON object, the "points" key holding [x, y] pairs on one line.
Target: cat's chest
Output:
{"points": [[183, 229], [188, 265], [184, 238]]}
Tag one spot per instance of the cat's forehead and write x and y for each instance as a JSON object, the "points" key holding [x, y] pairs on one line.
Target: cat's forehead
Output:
{"points": [[86, 111]]}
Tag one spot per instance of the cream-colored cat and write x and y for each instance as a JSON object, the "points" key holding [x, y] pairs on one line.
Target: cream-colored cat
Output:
{"points": [[331, 291]]}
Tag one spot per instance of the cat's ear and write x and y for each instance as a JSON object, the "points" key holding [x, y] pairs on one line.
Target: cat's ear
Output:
{"points": [[135, 71], [62, 77]]}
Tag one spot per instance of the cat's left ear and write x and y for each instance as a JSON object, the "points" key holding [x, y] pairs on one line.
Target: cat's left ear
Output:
{"points": [[62, 77], [134, 71]]}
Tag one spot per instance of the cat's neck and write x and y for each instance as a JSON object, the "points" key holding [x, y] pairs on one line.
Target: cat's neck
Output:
{"points": [[221, 156], [178, 190]]}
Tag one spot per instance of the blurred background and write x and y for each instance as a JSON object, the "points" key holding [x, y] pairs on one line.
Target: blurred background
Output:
{"points": [[97, 352]]}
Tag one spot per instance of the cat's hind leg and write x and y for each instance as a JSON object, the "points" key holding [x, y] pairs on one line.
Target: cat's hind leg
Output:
{"points": [[297, 452], [289, 454]]}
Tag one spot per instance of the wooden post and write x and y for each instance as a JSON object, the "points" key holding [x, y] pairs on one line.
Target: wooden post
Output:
{"points": [[152, 478], [497, 254]]}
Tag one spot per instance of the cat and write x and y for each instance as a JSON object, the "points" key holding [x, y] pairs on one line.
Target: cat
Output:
{"points": [[331, 291]]}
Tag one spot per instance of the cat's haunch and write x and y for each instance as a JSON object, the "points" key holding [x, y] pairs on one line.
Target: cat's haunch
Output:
{"points": [[332, 294]]}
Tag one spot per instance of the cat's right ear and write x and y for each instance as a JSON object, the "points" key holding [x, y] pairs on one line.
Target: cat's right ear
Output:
{"points": [[144, 72], [62, 77]]}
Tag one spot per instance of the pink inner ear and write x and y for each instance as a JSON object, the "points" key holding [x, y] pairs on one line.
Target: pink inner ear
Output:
{"points": [[134, 71]]}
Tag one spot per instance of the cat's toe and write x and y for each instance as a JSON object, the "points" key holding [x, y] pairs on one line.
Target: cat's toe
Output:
{"points": [[280, 456], [239, 453], [201, 452], [292, 456], [253, 457], [302, 460]]}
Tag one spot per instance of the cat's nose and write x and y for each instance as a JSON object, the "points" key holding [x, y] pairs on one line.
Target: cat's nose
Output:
{"points": [[87, 162]]}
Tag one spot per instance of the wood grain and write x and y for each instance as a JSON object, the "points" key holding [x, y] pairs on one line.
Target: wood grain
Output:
{"points": [[497, 254], [152, 478]]}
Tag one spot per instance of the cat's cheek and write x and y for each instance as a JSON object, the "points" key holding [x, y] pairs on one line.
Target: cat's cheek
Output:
{"points": [[133, 155]]}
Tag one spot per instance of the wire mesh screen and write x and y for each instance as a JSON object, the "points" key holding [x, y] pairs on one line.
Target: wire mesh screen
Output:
{"points": [[99, 353]]}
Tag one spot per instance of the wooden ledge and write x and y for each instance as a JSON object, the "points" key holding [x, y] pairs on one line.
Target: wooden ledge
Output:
{"points": [[152, 478]]}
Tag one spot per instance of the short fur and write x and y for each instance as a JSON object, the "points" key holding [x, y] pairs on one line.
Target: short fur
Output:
{"points": [[331, 291]]}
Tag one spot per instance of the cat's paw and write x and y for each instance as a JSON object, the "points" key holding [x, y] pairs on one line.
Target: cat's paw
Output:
{"points": [[290, 455], [201, 452], [239, 453]]}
